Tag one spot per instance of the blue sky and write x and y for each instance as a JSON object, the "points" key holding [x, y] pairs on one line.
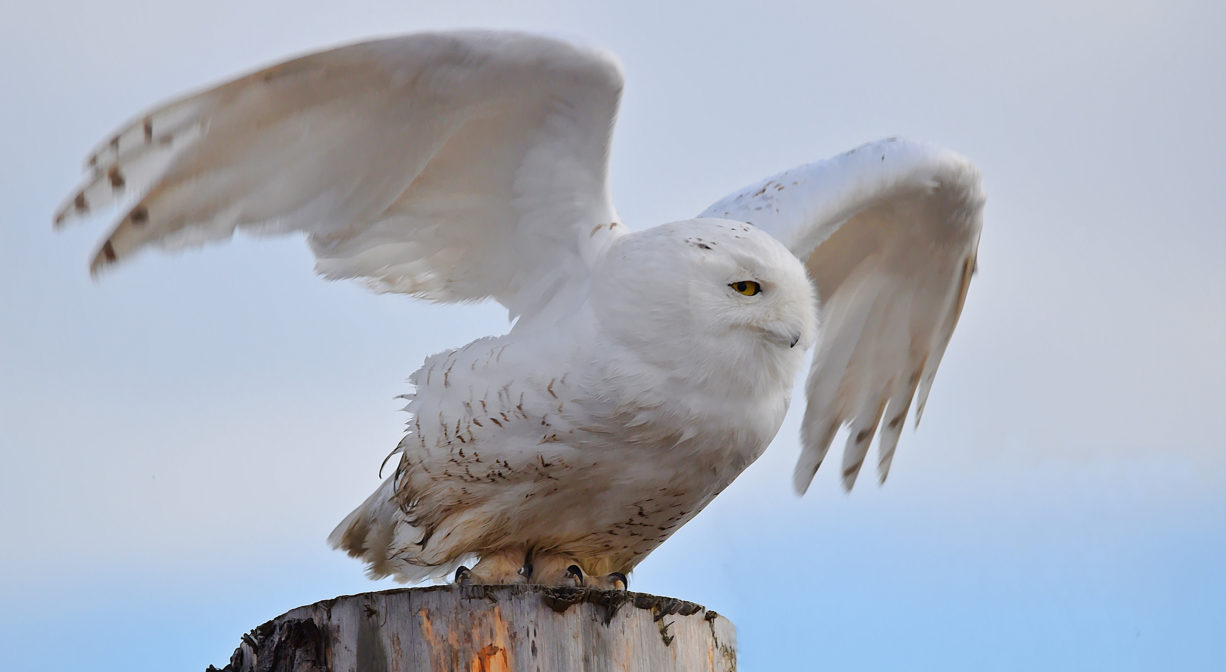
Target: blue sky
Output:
{"points": [[179, 439]]}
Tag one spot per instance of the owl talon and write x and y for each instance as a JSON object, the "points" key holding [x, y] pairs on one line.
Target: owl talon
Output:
{"points": [[574, 573], [463, 575], [526, 570]]}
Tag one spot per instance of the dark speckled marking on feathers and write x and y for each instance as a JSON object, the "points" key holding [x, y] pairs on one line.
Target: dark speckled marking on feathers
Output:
{"points": [[116, 178]]}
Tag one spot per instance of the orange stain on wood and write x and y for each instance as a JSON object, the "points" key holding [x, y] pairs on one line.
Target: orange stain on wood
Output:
{"points": [[491, 658]]}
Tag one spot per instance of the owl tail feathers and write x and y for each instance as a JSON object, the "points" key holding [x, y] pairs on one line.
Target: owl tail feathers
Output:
{"points": [[379, 533], [367, 532]]}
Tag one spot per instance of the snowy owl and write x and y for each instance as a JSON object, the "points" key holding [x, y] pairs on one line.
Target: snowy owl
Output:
{"points": [[644, 370]]}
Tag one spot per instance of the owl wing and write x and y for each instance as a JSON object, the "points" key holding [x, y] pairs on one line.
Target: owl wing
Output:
{"points": [[889, 233], [450, 166]]}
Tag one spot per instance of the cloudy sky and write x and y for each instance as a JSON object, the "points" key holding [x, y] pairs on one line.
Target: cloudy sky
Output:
{"points": [[179, 439]]}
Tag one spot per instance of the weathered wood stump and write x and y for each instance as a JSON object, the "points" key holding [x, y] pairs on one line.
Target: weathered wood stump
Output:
{"points": [[491, 629]]}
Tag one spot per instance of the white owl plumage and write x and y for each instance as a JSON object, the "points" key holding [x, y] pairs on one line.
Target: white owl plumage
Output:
{"points": [[645, 370]]}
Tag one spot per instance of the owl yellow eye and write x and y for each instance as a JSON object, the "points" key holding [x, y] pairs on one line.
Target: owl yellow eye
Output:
{"points": [[746, 287]]}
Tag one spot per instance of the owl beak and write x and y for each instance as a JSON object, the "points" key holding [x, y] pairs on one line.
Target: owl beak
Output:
{"points": [[781, 335]]}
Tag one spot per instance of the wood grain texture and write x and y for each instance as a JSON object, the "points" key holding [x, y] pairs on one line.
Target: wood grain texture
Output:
{"points": [[491, 629]]}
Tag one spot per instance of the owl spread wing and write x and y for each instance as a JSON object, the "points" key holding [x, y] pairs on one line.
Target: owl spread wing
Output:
{"points": [[453, 166], [889, 233]]}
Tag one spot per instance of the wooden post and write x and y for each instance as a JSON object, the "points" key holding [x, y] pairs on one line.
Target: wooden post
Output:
{"points": [[491, 629]]}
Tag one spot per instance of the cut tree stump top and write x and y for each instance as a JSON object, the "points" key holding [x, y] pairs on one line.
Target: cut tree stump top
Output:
{"points": [[491, 629]]}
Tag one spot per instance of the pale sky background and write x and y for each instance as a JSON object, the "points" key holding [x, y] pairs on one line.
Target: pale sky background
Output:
{"points": [[179, 439]]}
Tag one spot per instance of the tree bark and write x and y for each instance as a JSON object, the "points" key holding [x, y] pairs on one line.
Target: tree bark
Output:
{"points": [[491, 629]]}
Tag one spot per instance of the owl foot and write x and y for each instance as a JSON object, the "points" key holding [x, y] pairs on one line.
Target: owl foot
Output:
{"points": [[555, 570], [614, 581], [504, 567], [574, 573]]}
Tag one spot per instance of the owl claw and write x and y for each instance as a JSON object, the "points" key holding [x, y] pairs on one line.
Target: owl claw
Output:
{"points": [[574, 573], [526, 570], [463, 575]]}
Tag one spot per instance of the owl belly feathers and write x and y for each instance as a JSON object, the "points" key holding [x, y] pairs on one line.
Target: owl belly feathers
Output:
{"points": [[503, 453]]}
